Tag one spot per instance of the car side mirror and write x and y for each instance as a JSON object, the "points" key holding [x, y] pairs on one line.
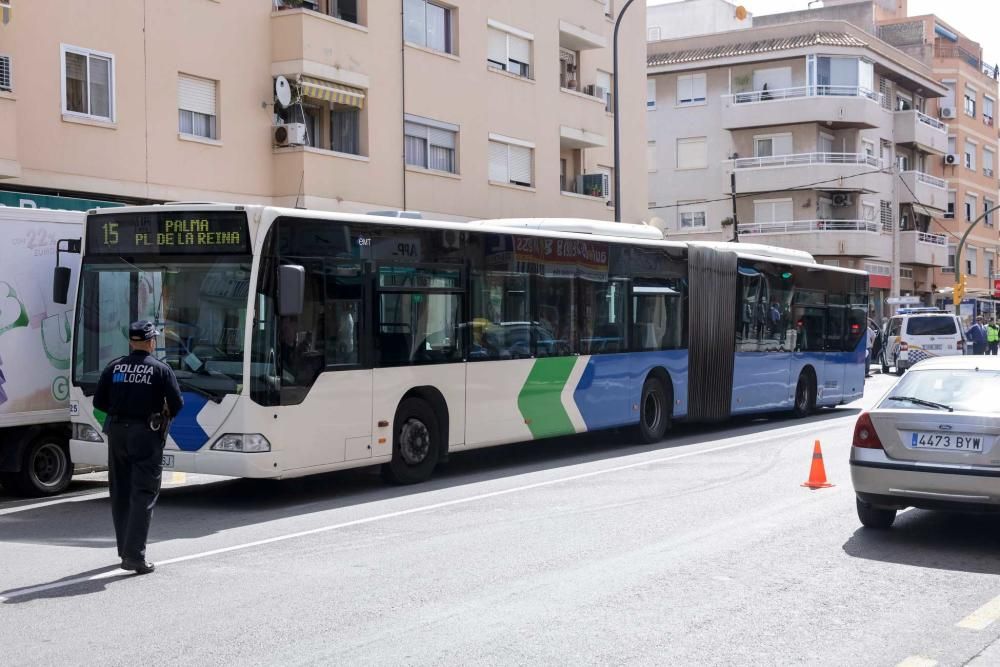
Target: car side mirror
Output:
{"points": [[291, 289]]}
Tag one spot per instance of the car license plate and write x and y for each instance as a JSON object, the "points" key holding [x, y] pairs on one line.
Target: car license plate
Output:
{"points": [[955, 441], [168, 460], [932, 347]]}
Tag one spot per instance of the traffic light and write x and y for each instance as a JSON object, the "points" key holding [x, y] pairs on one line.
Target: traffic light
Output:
{"points": [[959, 291]]}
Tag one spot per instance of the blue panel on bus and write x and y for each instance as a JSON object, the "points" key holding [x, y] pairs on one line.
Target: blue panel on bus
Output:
{"points": [[185, 429], [609, 390]]}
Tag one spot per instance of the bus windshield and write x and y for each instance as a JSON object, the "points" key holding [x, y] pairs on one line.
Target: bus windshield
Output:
{"points": [[198, 304]]}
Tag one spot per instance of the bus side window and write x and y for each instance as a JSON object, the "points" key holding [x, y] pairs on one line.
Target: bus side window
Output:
{"points": [[343, 313]]}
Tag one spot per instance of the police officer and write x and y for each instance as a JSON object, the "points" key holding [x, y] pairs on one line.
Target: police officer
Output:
{"points": [[139, 393]]}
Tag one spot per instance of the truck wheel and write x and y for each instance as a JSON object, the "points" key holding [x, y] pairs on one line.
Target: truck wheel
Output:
{"points": [[654, 411], [45, 468], [416, 444]]}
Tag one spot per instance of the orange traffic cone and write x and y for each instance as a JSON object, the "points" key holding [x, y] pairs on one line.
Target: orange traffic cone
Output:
{"points": [[817, 473]]}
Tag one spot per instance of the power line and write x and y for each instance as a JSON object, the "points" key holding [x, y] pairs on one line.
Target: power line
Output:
{"points": [[920, 203]]}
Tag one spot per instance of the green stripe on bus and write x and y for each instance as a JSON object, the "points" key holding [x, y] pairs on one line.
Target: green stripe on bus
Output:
{"points": [[540, 398]]}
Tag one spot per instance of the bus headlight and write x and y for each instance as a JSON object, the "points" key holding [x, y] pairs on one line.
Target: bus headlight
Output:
{"points": [[242, 442], [87, 433]]}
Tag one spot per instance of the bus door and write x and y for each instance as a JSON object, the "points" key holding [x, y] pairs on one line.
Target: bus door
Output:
{"points": [[810, 346], [836, 359]]}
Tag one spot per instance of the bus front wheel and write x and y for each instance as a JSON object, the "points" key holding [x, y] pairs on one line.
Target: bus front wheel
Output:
{"points": [[654, 411], [805, 395], [416, 443]]}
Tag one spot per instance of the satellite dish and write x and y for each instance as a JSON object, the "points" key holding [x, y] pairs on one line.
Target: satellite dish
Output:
{"points": [[282, 91], [741, 13]]}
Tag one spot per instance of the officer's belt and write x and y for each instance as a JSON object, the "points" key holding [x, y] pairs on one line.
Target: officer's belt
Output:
{"points": [[131, 421]]}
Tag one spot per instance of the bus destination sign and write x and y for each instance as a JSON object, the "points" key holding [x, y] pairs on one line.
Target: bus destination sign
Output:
{"points": [[180, 233]]}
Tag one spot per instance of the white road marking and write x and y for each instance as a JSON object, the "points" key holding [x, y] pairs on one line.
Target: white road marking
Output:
{"points": [[54, 501], [918, 661], [983, 617], [782, 435]]}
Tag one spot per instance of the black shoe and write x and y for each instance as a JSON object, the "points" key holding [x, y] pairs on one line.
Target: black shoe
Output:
{"points": [[138, 566]]}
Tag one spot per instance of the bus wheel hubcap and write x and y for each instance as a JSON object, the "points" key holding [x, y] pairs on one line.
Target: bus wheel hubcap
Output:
{"points": [[414, 441], [48, 465]]}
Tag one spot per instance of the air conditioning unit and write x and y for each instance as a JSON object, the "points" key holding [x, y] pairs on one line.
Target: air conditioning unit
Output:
{"points": [[289, 134], [594, 185], [949, 112], [840, 199], [951, 159]]}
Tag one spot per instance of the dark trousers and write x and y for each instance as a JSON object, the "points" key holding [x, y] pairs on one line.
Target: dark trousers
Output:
{"points": [[135, 460], [979, 348], [993, 348]]}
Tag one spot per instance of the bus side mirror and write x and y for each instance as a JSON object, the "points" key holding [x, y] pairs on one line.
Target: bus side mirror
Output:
{"points": [[60, 284], [291, 289]]}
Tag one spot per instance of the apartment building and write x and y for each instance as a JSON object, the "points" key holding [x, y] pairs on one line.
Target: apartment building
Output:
{"points": [[459, 109], [816, 133], [694, 17], [970, 165]]}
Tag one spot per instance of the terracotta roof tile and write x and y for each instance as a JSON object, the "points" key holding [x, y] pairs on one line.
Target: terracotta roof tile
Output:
{"points": [[760, 46]]}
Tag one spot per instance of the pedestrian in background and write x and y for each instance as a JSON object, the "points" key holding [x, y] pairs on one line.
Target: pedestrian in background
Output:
{"points": [[993, 336], [977, 336], [139, 393]]}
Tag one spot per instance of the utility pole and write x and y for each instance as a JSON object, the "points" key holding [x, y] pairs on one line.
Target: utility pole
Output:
{"points": [[732, 193], [958, 291], [617, 119]]}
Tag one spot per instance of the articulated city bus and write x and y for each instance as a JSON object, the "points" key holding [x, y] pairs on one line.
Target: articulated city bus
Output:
{"points": [[310, 341]]}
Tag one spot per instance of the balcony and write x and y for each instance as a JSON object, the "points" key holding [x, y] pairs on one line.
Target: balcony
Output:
{"points": [[923, 249], [850, 238], [9, 166], [305, 35], [918, 130], [924, 191], [837, 107], [857, 172]]}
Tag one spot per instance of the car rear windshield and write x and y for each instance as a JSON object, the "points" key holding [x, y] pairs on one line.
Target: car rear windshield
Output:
{"points": [[931, 326], [965, 390]]}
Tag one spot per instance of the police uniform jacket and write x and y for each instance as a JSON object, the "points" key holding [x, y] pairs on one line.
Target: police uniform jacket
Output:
{"points": [[135, 386]]}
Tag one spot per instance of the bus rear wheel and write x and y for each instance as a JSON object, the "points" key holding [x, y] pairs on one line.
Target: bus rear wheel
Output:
{"points": [[416, 443], [45, 469], [654, 411]]}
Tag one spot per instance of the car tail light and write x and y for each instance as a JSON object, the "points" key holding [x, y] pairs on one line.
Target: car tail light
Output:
{"points": [[960, 345], [864, 433], [904, 346]]}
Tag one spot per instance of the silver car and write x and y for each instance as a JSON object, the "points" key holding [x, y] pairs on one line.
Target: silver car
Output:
{"points": [[932, 442]]}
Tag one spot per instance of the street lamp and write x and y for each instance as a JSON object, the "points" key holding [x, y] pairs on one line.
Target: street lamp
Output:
{"points": [[958, 257], [614, 94]]}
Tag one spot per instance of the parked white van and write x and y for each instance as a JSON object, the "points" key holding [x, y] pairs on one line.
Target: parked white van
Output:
{"points": [[914, 337]]}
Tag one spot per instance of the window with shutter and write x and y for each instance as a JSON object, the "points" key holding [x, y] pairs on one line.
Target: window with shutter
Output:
{"points": [[431, 144], [690, 89], [520, 165], [197, 105], [510, 163], [508, 52], [772, 210], [6, 78], [650, 93], [692, 153]]}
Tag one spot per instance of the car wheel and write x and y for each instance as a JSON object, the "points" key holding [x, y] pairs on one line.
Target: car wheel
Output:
{"points": [[45, 469], [805, 395], [654, 411], [873, 517], [885, 365], [416, 443], [900, 369]]}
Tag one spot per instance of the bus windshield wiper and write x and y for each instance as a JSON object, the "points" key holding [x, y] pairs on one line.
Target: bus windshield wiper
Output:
{"points": [[920, 401], [184, 384]]}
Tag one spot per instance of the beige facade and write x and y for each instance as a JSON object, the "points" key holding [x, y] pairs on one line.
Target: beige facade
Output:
{"points": [[822, 133], [460, 110]]}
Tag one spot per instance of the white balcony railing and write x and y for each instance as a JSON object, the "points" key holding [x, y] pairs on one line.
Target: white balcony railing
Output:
{"points": [[803, 91], [933, 122], [809, 226], [921, 177], [932, 239], [797, 159]]}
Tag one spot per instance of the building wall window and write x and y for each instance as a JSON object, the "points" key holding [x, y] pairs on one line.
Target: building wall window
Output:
{"points": [[651, 156], [507, 51], [88, 83], [692, 153], [431, 144], [970, 102], [6, 76], [952, 145], [970, 155], [650, 93], [987, 162], [345, 129], [971, 259], [428, 24], [970, 207], [950, 213], [767, 145], [333, 114], [987, 205], [690, 89], [511, 163], [196, 106], [988, 111], [691, 219], [772, 210]]}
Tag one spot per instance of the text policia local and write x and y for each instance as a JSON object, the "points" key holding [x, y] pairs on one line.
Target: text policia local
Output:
{"points": [[188, 232]]}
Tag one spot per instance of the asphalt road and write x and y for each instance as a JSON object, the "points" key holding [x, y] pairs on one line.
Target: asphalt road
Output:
{"points": [[702, 549]]}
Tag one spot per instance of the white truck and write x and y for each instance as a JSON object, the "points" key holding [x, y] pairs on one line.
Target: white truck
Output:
{"points": [[35, 338]]}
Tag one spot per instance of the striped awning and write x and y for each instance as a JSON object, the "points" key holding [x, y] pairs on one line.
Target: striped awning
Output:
{"points": [[332, 92]]}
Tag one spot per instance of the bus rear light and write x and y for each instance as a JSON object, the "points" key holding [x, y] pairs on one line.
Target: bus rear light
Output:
{"points": [[242, 442], [865, 435]]}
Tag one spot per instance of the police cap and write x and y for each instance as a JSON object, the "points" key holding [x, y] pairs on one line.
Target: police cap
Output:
{"points": [[141, 330]]}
